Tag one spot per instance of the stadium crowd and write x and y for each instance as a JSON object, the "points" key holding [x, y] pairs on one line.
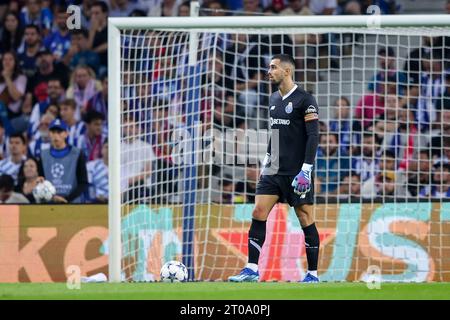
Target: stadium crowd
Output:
{"points": [[54, 105]]}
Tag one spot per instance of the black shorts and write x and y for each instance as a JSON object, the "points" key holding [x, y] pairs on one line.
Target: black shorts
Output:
{"points": [[281, 186]]}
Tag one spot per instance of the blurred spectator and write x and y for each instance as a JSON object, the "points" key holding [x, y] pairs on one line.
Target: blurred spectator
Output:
{"points": [[296, 7], [55, 94], [350, 186], [58, 41], [28, 178], [216, 8], [28, 51], [165, 167], [432, 87], [388, 70], [247, 188], [226, 186], [7, 194], [372, 104], [402, 141], [331, 163], [441, 181], [419, 174], [367, 163], [3, 142], [252, 6], [243, 65], [164, 8], [41, 139], [79, 52], [17, 154], [98, 177], [385, 186], [323, 7], [135, 174], [413, 65], [12, 84], [83, 86], [3, 8], [34, 13], [64, 166], [350, 7], [386, 174], [85, 7], [92, 140], [388, 6], [443, 102], [99, 102], [75, 127], [37, 88], [123, 8], [184, 10], [98, 33], [341, 123], [445, 155], [441, 133], [167, 86], [10, 33]]}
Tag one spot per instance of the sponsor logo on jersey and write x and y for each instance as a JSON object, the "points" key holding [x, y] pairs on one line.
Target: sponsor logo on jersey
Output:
{"points": [[272, 107], [284, 122], [289, 108], [311, 109]]}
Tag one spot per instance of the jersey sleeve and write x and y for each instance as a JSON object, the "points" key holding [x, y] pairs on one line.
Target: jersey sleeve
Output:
{"points": [[310, 109], [311, 116]]}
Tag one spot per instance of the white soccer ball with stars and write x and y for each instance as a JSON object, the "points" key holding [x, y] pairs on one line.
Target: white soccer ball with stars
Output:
{"points": [[44, 191], [174, 271]]}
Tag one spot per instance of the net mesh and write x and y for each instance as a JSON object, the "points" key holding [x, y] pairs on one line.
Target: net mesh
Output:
{"points": [[194, 133]]}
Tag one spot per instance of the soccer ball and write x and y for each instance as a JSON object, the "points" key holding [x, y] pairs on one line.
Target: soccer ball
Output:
{"points": [[44, 191], [174, 271]]}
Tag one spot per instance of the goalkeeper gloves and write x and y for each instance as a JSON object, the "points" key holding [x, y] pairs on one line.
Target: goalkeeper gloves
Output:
{"points": [[302, 181]]}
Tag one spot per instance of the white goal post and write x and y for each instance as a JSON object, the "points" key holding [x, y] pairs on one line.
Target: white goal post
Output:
{"points": [[415, 24]]}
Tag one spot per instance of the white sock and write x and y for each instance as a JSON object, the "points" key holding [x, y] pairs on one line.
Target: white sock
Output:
{"points": [[252, 266], [313, 273]]}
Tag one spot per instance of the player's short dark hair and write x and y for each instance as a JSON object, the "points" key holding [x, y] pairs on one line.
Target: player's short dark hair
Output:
{"points": [[285, 58], [102, 6], [6, 182], [18, 135]]}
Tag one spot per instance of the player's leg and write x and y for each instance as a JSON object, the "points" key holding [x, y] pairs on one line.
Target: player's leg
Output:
{"points": [[256, 237], [303, 207], [305, 215]]}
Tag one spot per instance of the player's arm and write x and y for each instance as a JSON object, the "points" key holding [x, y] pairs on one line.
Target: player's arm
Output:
{"points": [[302, 181]]}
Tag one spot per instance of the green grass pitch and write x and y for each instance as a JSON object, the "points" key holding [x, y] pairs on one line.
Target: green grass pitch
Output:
{"points": [[227, 291]]}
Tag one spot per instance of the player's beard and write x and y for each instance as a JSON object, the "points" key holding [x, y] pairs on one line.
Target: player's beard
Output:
{"points": [[276, 82]]}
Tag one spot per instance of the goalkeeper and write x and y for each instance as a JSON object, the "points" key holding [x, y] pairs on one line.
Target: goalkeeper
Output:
{"points": [[287, 168]]}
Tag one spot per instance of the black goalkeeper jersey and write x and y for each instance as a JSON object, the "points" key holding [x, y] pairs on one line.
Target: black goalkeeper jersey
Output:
{"points": [[293, 120]]}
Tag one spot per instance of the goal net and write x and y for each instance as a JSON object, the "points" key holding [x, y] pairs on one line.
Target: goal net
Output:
{"points": [[189, 130]]}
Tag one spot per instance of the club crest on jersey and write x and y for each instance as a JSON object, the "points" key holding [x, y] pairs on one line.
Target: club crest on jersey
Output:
{"points": [[289, 108]]}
